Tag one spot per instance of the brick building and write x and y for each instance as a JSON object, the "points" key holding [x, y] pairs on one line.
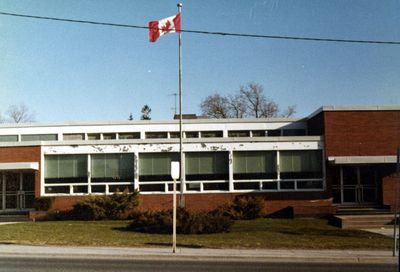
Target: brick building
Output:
{"points": [[337, 156]]}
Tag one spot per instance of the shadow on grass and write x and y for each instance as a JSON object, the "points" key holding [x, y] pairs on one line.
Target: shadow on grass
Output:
{"points": [[170, 245], [7, 243]]}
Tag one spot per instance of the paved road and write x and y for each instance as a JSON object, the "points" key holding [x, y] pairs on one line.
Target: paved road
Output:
{"points": [[44, 264]]}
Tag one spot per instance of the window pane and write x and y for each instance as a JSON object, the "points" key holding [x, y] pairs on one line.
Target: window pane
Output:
{"points": [[74, 137], [39, 137], [211, 134], [246, 185], [309, 184], [112, 166], [301, 164], [133, 135], [57, 190], [206, 165], [8, 138], [156, 166], [192, 134], [156, 135], [109, 136], [94, 136], [254, 164], [239, 133], [65, 166]]}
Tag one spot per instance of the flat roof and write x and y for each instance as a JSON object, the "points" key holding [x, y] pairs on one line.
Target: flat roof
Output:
{"points": [[154, 122], [355, 108]]}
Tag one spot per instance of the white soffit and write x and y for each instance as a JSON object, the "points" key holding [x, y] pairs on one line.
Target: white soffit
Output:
{"points": [[362, 159], [19, 166]]}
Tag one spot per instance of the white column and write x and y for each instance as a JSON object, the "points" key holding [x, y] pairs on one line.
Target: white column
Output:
{"points": [[230, 166]]}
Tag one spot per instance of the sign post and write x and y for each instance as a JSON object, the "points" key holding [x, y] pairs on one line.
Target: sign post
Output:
{"points": [[175, 175]]}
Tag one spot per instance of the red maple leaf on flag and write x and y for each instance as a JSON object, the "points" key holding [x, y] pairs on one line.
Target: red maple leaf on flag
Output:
{"points": [[166, 27]]}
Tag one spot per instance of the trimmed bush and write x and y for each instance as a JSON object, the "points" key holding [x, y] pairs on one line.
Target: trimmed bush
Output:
{"points": [[242, 208], [43, 203], [115, 206], [187, 222]]}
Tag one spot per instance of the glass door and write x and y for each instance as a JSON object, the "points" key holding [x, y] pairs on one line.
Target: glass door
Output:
{"points": [[358, 185], [12, 183], [17, 190]]}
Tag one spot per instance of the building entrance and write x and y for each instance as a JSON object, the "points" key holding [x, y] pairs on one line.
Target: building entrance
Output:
{"points": [[356, 185], [17, 190]]}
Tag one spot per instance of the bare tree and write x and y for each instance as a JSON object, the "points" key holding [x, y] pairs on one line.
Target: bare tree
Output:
{"points": [[215, 106], [290, 111], [20, 114], [237, 106], [249, 102]]}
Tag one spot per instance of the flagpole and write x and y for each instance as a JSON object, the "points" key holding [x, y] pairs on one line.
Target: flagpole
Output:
{"points": [[182, 163]]}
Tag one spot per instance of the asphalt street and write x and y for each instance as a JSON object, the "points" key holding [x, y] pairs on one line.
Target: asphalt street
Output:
{"points": [[54, 264]]}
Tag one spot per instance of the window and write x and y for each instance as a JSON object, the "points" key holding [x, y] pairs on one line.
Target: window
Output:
{"points": [[156, 166], [254, 165], [156, 135], [109, 136], [211, 134], [39, 137], [259, 133], [239, 133], [301, 164], [74, 137], [274, 132], [112, 167], [174, 135], [126, 136], [8, 138], [93, 136], [207, 166], [65, 169], [192, 134]]}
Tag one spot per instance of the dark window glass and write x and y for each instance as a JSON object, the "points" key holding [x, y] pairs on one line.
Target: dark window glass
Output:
{"points": [[309, 184], [274, 132], [57, 190], [301, 164], [211, 134], [270, 186], [216, 186], [207, 166], [254, 165], [294, 132], [98, 188], [246, 186], [152, 187], [239, 133], [156, 135]]}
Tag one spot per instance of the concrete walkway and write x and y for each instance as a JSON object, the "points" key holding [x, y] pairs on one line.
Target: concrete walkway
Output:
{"points": [[329, 256]]}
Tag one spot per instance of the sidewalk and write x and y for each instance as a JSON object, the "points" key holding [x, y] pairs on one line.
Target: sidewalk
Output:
{"points": [[265, 255]]}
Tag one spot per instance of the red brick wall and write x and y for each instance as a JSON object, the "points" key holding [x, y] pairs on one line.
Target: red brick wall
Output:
{"points": [[361, 133], [274, 202], [391, 190], [23, 154]]}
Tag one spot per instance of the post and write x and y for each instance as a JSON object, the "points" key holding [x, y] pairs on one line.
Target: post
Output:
{"points": [[397, 200], [175, 176], [396, 207], [174, 220], [182, 176]]}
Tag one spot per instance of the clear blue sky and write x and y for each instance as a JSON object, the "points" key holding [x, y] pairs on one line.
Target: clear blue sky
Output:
{"points": [[67, 72]]}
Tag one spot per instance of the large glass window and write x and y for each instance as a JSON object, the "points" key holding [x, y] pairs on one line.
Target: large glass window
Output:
{"points": [[112, 167], [8, 138], [39, 137], [254, 165], [156, 166], [65, 169], [207, 166], [301, 164]]}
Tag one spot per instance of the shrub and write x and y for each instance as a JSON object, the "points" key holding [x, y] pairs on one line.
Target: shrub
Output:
{"points": [[115, 206], [242, 208], [43, 203], [187, 222]]}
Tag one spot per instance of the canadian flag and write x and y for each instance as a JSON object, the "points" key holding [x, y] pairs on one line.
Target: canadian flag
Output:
{"points": [[164, 26]]}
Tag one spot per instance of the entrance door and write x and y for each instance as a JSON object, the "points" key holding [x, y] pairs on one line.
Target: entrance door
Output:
{"points": [[358, 185], [16, 191]]}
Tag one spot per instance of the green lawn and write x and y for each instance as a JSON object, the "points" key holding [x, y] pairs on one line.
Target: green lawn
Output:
{"points": [[261, 233]]}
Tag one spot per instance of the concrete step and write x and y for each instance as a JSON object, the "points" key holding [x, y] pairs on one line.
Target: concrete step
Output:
{"points": [[364, 221], [361, 210], [14, 217]]}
